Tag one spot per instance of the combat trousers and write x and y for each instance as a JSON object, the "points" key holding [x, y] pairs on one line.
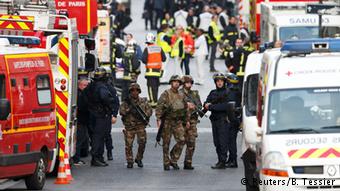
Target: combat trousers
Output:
{"points": [[190, 141], [175, 128], [130, 133], [101, 129], [220, 136], [153, 85]]}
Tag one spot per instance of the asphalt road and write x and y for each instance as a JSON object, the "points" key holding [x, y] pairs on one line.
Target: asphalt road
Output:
{"points": [[152, 177]]}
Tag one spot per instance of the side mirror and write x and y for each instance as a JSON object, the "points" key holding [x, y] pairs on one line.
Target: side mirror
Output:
{"points": [[90, 43], [5, 109], [90, 62]]}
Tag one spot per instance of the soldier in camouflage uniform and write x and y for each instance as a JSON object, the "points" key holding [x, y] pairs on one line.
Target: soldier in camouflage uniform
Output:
{"points": [[135, 124], [192, 97], [171, 110]]}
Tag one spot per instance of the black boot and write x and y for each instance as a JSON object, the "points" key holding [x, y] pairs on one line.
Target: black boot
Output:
{"points": [[166, 167], [96, 162], [109, 155], [232, 164], [129, 165], [175, 166], [139, 163], [219, 165], [188, 166]]}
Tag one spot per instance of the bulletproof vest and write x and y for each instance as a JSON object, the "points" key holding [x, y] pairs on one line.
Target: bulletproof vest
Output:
{"points": [[177, 106]]}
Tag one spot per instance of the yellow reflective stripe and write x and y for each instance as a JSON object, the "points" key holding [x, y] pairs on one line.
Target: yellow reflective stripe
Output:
{"points": [[150, 94], [29, 129]]}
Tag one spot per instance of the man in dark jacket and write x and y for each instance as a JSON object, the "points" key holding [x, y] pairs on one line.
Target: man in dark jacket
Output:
{"points": [[217, 102], [231, 32]]}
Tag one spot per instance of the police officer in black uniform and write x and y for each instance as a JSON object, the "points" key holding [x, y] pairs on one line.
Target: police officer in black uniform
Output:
{"points": [[217, 102], [103, 106], [235, 95]]}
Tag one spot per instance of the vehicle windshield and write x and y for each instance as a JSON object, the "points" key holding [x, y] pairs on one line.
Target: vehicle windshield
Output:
{"points": [[313, 110], [304, 32]]}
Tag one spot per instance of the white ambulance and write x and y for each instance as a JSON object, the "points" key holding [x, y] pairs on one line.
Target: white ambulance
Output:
{"points": [[299, 114], [289, 21]]}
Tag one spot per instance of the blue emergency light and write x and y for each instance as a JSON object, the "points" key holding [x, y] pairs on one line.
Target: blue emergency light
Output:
{"points": [[22, 40], [311, 45]]}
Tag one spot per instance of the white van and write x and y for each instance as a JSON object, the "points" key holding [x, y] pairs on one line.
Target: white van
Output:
{"points": [[299, 114]]}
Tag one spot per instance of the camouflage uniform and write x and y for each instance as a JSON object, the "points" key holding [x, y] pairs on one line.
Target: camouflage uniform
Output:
{"points": [[172, 105], [191, 132], [134, 126]]}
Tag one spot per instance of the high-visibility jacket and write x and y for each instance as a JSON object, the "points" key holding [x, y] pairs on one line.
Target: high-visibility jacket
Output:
{"points": [[216, 32], [189, 43], [163, 44], [154, 61], [175, 48], [169, 22]]}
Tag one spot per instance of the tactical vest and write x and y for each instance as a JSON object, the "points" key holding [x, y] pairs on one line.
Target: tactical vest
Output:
{"points": [[177, 105]]}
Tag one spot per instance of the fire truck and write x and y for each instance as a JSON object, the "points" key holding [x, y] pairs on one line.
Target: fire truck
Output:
{"points": [[28, 117], [59, 36]]}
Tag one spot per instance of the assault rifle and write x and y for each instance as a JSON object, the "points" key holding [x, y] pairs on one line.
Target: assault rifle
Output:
{"points": [[198, 109], [140, 113]]}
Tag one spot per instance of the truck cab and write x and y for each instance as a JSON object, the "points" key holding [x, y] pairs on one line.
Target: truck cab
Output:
{"points": [[289, 21], [28, 138], [299, 116]]}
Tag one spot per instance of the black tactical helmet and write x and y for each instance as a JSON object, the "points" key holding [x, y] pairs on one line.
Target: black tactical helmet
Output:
{"points": [[232, 78], [135, 86], [175, 78], [187, 78], [219, 76], [100, 73], [82, 72]]}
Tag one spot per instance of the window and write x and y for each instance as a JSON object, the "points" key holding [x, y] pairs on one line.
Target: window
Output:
{"points": [[44, 90], [2, 87], [251, 94], [304, 111], [306, 32]]}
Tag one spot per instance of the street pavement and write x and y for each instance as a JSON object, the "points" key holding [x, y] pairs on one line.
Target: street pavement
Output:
{"points": [[152, 177]]}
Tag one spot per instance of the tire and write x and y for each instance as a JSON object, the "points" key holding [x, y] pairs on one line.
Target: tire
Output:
{"points": [[36, 181]]}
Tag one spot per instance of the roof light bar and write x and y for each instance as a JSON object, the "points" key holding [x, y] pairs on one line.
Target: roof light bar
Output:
{"points": [[22, 40], [311, 45]]}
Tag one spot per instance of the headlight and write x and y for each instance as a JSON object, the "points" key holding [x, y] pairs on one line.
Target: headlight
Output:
{"points": [[274, 165]]}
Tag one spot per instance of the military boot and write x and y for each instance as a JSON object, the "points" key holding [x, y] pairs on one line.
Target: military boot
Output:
{"points": [[175, 166], [188, 166], [232, 164], [129, 165], [139, 163], [166, 167], [109, 155], [219, 165]]}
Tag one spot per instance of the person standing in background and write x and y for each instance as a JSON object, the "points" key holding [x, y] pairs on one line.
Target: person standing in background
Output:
{"points": [[200, 53], [148, 14]]}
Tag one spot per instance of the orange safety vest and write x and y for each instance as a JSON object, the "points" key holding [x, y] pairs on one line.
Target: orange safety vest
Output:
{"points": [[154, 57]]}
